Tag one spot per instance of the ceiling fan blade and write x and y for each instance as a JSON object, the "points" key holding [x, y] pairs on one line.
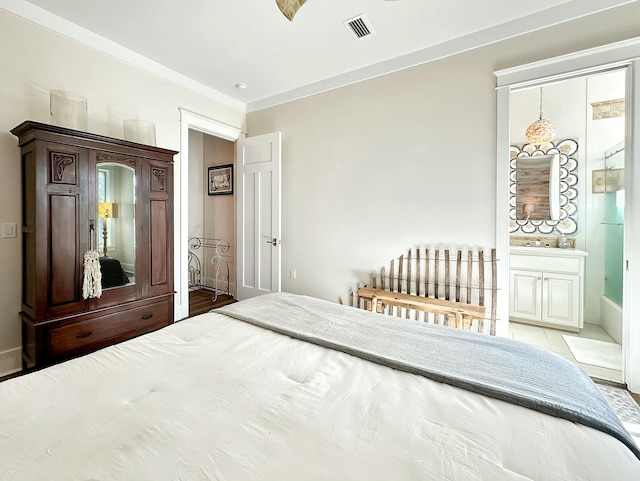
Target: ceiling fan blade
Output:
{"points": [[289, 7]]}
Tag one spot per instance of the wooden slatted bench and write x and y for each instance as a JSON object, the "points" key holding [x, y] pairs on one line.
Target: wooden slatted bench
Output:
{"points": [[460, 315]]}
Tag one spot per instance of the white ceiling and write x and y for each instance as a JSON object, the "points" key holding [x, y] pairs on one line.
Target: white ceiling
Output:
{"points": [[220, 43]]}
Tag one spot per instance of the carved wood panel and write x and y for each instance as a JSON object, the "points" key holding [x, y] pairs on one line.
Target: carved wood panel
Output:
{"points": [[106, 157], [158, 179], [64, 168]]}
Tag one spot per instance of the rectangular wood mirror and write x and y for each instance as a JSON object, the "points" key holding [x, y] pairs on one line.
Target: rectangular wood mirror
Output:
{"points": [[538, 187]]}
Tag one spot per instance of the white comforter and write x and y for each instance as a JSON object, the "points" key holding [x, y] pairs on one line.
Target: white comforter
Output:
{"points": [[213, 398]]}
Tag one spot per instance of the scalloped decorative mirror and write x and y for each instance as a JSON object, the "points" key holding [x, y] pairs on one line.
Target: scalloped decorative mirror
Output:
{"points": [[534, 215]]}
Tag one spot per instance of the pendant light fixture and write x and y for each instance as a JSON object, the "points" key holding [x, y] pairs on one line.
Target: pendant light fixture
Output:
{"points": [[289, 7], [542, 130]]}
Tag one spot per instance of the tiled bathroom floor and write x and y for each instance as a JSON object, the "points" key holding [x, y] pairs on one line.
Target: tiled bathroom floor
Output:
{"points": [[552, 340]]}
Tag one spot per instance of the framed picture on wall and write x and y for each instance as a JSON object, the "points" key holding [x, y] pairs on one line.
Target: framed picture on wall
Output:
{"points": [[220, 179]]}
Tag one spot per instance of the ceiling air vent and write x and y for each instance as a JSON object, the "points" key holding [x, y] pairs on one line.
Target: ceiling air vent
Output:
{"points": [[359, 26]]}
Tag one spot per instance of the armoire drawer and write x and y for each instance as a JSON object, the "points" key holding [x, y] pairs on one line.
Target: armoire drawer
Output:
{"points": [[85, 336]]}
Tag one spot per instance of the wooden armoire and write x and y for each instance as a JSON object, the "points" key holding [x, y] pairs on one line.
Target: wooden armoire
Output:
{"points": [[67, 177]]}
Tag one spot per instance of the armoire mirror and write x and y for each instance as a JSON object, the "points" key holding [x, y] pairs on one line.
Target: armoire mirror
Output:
{"points": [[538, 187], [115, 203]]}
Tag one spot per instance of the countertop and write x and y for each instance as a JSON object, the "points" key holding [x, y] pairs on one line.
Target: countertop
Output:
{"points": [[547, 251]]}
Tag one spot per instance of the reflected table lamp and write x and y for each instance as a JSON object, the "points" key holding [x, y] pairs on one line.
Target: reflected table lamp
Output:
{"points": [[527, 210], [106, 210]]}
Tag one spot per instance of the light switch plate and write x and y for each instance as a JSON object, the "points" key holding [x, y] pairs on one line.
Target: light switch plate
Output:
{"points": [[9, 230]]}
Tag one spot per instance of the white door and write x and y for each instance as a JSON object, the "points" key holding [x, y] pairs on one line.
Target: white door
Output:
{"points": [[258, 162]]}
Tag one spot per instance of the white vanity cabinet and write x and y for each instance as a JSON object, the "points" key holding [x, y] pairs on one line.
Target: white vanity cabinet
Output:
{"points": [[546, 286]]}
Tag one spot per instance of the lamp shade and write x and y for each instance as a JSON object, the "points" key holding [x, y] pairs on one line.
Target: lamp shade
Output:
{"points": [[541, 131], [107, 209]]}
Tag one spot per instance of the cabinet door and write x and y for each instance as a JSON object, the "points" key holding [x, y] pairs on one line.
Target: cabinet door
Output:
{"points": [[526, 299], [561, 295], [157, 189], [60, 216]]}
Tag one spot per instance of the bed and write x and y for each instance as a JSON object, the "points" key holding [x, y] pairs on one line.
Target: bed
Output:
{"points": [[288, 387], [113, 274]]}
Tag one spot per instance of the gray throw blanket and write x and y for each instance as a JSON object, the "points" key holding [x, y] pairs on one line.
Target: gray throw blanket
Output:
{"points": [[492, 366]]}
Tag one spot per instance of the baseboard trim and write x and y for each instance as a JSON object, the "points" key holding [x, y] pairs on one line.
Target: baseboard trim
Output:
{"points": [[10, 361]]}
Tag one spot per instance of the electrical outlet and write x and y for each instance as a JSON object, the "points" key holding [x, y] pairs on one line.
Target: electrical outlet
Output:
{"points": [[293, 273]]}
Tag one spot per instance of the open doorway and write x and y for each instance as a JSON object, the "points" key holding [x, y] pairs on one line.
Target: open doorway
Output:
{"points": [[622, 54], [256, 173], [211, 222], [570, 300], [194, 127]]}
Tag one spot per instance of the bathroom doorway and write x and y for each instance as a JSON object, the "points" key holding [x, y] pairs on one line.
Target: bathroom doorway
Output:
{"points": [[588, 112]]}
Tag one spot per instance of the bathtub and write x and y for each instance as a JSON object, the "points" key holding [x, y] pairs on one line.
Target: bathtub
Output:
{"points": [[611, 318]]}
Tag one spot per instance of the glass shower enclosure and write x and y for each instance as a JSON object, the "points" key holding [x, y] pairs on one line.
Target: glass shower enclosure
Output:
{"points": [[613, 189]]}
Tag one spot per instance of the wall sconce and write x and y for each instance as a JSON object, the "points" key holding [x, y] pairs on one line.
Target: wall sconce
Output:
{"points": [[527, 210], [106, 210]]}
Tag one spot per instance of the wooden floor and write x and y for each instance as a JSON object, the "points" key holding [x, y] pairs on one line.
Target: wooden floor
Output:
{"points": [[201, 301]]}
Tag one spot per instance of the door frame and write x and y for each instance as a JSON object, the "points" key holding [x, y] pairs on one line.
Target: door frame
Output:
{"points": [[189, 121], [627, 54]]}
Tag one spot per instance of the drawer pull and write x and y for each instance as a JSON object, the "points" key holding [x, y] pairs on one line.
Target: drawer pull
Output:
{"points": [[83, 334], [148, 315]]}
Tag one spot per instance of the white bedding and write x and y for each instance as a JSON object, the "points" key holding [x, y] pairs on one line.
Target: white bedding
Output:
{"points": [[213, 398]]}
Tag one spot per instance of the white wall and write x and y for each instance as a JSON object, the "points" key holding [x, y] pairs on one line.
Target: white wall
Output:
{"points": [[407, 159], [34, 61], [374, 168]]}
